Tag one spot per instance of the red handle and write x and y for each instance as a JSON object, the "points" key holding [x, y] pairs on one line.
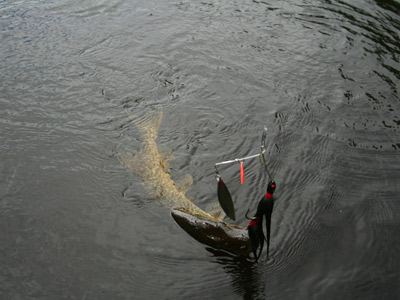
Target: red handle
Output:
{"points": [[241, 172]]}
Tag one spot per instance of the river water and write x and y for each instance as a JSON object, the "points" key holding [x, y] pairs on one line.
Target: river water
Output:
{"points": [[322, 76]]}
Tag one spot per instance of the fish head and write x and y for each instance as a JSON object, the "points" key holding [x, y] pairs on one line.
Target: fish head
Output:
{"points": [[212, 232]]}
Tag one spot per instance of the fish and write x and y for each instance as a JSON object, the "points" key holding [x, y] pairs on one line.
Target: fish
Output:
{"points": [[153, 168]]}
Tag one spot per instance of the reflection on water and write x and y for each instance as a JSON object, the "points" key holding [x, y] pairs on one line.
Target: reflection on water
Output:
{"points": [[322, 76]]}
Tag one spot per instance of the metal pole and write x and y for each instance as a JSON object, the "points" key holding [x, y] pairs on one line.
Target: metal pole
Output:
{"points": [[238, 159]]}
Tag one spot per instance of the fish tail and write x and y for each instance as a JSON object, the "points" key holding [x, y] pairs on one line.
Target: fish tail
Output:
{"points": [[150, 124]]}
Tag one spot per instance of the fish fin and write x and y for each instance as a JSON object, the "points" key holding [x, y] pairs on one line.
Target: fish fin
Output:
{"points": [[220, 215], [166, 154], [215, 210], [128, 160], [150, 124], [184, 184]]}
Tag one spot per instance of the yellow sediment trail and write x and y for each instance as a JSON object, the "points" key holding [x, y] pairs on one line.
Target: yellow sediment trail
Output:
{"points": [[154, 170]]}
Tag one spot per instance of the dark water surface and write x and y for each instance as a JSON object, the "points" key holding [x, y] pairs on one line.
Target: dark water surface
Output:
{"points": [[323, 76]]}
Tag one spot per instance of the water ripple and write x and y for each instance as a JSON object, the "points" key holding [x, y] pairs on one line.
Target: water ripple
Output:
{"points": [[323, 77]]}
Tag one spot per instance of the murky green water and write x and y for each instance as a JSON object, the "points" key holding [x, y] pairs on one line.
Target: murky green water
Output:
{"points": [[323, 76]]}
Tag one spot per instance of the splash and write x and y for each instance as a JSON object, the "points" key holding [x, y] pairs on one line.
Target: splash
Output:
{"points": [[154, 169]]}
